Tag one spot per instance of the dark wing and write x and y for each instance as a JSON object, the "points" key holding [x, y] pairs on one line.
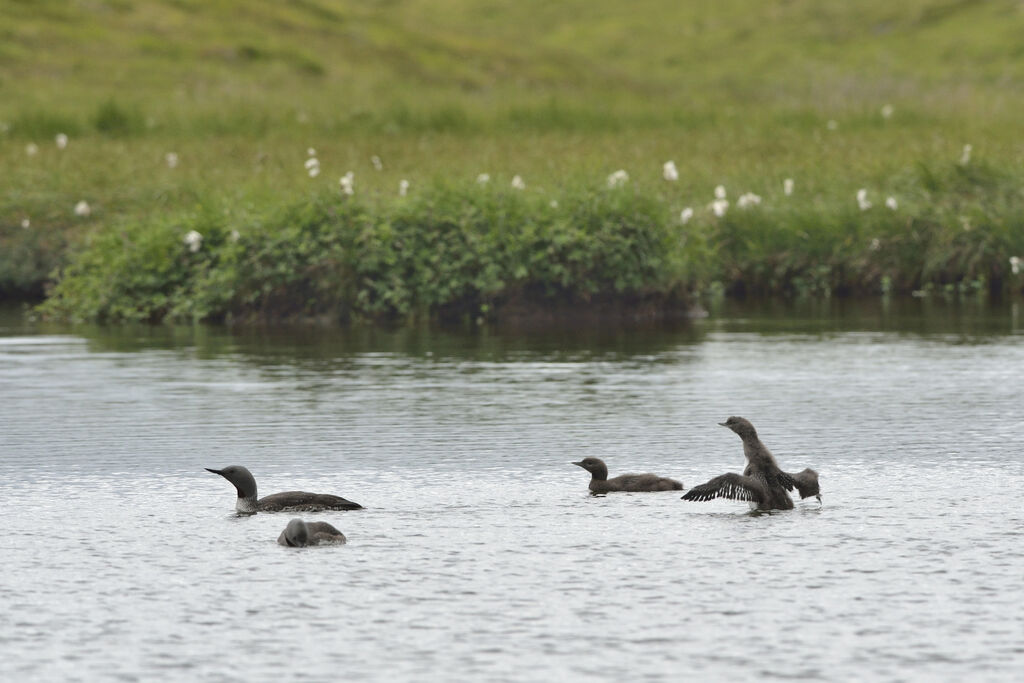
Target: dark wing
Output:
{"points": [[731, 485], [303, 501], [806, 482], [643, 482]]}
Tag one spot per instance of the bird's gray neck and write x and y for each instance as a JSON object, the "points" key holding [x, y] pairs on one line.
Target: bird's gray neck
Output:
{"points": [[246, 505]]}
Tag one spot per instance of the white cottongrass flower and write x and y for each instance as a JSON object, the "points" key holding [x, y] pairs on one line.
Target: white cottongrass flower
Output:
{"points": [[310, 152], [862, 199], [720, 192], [891, 203], [618, 179], [172, 160], [313, 167], [1015, 265], [787, 186], [347, 183], [832, 124], [403, 187], [31, 149], [82, 209], [483, 178], [235, 235], [26, 223], [719, 207], [517, 183], [669, 171], [377, 163], [747, 200], [61, 140], [685, 215], [887, 111], [553, 204], [875, 244], [193, 240], [965, 157]]}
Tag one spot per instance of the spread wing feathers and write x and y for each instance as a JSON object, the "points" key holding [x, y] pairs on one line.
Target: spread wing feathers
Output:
{"points": [[643, 482], [806, 482], [731, 485]]}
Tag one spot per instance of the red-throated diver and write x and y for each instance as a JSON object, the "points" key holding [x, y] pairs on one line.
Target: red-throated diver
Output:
{"points": [[600, 483], [762, 483], [293, 501], [299, 533]]}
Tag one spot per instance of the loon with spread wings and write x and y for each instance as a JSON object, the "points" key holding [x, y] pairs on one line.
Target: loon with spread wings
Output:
{"points": [[763, 484]]}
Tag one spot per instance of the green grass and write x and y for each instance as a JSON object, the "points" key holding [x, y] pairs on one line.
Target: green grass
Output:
{"points": [[738, 93]]}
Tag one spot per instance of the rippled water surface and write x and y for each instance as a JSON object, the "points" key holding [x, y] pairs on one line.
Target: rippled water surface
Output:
{"points": [[479, 555]]}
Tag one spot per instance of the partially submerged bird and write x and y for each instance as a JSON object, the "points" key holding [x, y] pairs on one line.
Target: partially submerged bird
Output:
{"points": [[600, 483], [763, 484], [299, 534], [295, 501]]}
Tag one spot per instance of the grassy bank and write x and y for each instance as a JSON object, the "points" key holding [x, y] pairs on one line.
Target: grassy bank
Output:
{"points": [[475, 250], [742, 94]]}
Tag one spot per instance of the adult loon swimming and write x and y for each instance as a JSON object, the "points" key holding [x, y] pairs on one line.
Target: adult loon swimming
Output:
{"points": [[299, 534], [600, 483], [762, 483], [278, 502]]}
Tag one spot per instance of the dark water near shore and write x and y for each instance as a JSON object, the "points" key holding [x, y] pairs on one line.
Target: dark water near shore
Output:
{"points": [[480, 556]]}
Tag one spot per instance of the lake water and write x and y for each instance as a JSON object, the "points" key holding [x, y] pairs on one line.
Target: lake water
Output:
{"points": [[480, 556]]}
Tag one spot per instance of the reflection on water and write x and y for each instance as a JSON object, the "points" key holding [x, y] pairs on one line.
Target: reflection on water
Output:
{"points": [[480, 555]]}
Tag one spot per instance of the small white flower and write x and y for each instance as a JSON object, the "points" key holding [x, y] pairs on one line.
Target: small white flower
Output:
{"points": [[685, 215], [1015, 265], [891, 203], [26, 223], [172, 160], [310, 152], [31, 149], [787, 186], [313, 167], [720, 192], [235, 235], [518, 183], [61, 140], [347, 183], [193, 240], [747, 200], [483, 178], [553, 204], [82, 209], [862, 199], [719, 207], [875, 244], [887, 111], [832, 124], [965, 157], [618, 179], [377, 163], [669, 171], [403, 187]]}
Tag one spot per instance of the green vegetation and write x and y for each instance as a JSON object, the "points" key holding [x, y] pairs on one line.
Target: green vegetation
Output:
{"points": [[738, 93]]}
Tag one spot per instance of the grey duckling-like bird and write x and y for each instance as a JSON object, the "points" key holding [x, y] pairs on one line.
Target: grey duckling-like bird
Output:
{"points": [[600, 483], [763, 484], [299, 534], [293, 501]]}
